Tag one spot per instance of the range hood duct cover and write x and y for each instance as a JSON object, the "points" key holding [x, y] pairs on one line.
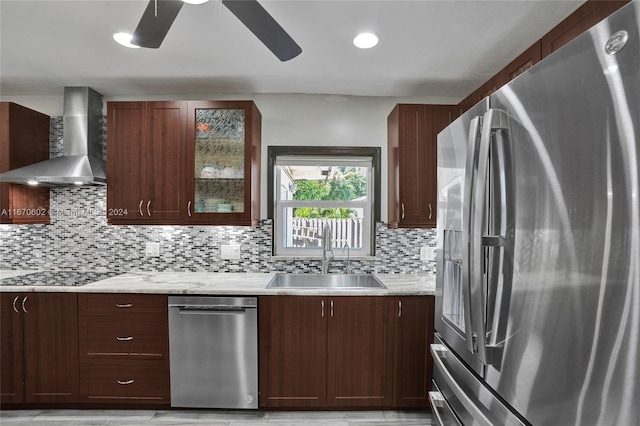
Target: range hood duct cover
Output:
{"points": [[81, 162]]}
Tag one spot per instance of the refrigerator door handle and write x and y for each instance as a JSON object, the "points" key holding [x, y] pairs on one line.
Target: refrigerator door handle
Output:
{"points": [[495, 249], [471, 173]]}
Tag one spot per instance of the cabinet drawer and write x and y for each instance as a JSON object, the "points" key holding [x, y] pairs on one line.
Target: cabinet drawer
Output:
{"points": [[127, 381], [124, 304], [100, 337]]}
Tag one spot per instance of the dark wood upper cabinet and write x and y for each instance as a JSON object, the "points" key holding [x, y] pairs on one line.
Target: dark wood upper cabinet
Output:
{"points": [[223, 170], [126, 141], [583, 18], [146, 152], [586, 16], [24, 140], [412, 138], [183, 162], [39, 352]]}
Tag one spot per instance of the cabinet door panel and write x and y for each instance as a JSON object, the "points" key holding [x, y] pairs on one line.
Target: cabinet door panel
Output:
{"points": [[413, 332], [126, 132], [413, 163], [24, 140], [360, 352], [11, 349], [164, 154], [293, 353], [51, 347]]}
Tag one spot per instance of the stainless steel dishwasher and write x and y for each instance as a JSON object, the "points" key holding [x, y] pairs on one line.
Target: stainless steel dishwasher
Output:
{"points": [[213, 351]]}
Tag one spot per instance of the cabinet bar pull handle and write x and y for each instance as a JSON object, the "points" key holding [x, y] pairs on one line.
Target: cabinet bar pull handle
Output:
{"points": [[402, 204], [322, 304], [140, 208], [24, 301], [148, 205], [14, 304], [124, 305], [189, 208], [399, 308], [332, 308], [125, 382], [124, 339], [430, 211]]}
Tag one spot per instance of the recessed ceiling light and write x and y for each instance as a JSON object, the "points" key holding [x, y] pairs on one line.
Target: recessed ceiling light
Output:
{"points": [[195, 1], [365, 40], [32, 182], [125, 40]]}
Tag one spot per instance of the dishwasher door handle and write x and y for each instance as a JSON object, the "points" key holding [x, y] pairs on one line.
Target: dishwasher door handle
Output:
{"points": [[211, 311]]}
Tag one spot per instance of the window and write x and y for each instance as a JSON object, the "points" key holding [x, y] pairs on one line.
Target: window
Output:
{"points": [[311, 187]]}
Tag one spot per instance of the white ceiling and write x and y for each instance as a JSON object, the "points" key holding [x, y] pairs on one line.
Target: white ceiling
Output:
{"points": [[428, 48]]}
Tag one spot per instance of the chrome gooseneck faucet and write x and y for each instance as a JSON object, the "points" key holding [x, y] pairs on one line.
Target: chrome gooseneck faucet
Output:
{"points": [[348, 270], [326, 244]]}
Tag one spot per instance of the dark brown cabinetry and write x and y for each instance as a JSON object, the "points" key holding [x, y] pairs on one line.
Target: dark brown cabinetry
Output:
{"points": [[124, 349], [360, 352], [39, 348], [586, 16], [183, 162], [24, 139], [146, 149], [325, 352], [293, 351], [412, 137], [345, 352], [412, 358]]}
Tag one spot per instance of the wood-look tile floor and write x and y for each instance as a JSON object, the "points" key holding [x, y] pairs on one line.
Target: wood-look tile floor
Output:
{"points": [[213, 417]]}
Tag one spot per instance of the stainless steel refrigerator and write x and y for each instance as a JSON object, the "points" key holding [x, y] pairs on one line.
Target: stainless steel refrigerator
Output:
{"points": [[538, 258]]}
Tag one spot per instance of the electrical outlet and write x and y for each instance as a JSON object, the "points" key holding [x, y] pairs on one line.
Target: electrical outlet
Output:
{"points": [[230, 252], [152, 250], [426, 253]]}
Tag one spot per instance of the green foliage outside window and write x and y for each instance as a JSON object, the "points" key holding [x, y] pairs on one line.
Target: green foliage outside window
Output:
{"points": [[345, 184]]}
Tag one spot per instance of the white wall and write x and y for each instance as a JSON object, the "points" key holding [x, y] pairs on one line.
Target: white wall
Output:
{"points": [[297, 119]]}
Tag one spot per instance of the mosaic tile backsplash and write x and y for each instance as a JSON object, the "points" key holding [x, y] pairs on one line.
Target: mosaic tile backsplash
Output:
{"points": [[79, 238]]}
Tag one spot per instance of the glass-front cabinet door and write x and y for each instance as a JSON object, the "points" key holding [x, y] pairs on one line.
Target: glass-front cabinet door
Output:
{"points": [[225, 157]]}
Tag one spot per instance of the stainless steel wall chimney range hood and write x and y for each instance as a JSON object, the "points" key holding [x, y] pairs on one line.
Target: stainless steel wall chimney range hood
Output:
{"points": [[81, 162]]}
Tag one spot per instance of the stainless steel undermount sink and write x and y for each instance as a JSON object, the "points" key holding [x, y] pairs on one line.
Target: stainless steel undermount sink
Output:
{"points": [[329, 281]]}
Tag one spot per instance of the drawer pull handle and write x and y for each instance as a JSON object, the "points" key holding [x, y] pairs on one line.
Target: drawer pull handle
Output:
{"points": [[124, 339], [124, 305], [125, 382]]}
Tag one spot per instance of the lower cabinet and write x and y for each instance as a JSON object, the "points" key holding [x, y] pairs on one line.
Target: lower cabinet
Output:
{"points": [[124, 349], [345, 351], [412, 360], [39, 348]]}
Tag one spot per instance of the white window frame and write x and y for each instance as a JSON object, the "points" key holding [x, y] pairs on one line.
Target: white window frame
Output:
{"points": [[280, 205]]}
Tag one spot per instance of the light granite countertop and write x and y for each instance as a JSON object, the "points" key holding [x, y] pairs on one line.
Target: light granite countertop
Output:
{"points": [[222, 283]]}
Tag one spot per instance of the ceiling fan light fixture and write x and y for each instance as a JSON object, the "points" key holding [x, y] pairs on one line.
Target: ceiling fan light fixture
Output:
{"points": [[124, 39], [195, 1], [366, 40]]}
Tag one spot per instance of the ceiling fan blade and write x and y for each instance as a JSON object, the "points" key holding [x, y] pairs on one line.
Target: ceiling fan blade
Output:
{"points": [[263, 26], [153, 27]]}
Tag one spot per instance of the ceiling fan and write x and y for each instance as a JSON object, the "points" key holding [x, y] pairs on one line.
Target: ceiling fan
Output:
{"points": [[160, 14]]}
